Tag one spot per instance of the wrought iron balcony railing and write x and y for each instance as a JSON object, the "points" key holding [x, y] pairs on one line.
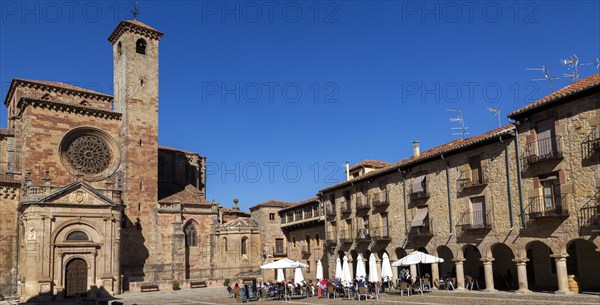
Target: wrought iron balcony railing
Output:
{"points": [[589, 215], [362, 235], [472, 178], [331, 237], [425, 230], [379, 199], [380, 233], [330, 211], [478, 220], [548, 206], [345, 208], [591, 144], [541, 150], [345, 236], [362, 203]]}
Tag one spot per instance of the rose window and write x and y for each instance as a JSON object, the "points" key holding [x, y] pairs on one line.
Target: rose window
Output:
{"points": [[88, 154]]}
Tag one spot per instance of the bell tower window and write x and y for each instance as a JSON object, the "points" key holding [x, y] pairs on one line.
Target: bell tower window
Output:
{"points": [[119, 49], [140, 46]]}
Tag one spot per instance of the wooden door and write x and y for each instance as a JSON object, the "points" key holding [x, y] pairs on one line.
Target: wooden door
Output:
{"points": [[76, 277]]}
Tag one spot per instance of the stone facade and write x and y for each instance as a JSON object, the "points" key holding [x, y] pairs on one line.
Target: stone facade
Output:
{"points": [[304, 228], [516, 207], [92, 205]]}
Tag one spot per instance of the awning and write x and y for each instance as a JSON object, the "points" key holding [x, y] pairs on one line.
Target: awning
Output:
{"points": [[420, 217], [417, 185]]}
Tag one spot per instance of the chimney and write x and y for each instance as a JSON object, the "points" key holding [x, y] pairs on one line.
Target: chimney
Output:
{"points": [[416, 150], [347, 170]]}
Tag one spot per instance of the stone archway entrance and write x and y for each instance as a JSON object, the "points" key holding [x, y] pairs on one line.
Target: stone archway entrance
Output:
{"points": [[76, 277]]}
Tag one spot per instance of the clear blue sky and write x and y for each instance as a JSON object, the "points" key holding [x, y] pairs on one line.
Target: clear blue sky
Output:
{"points": [[319, 82]]}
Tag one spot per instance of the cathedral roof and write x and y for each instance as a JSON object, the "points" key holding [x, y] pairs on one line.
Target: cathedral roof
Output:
{"points": [[136, 27], [189, 194], [241, 222], [55, 87]]}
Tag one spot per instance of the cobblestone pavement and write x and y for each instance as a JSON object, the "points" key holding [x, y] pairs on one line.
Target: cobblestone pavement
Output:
{"points": [[218, 295]]}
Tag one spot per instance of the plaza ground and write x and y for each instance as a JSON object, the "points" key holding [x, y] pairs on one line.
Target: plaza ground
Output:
{"points": [[218, 295]]}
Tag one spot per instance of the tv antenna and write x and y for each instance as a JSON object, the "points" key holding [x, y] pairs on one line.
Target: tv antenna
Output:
{"points": [[460, 120], [547, 76], [135, 11], [595, 63], [496, 112], [572, 63]]}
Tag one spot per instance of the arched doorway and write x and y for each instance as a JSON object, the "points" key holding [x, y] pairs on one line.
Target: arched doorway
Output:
{"points": [[76, 277], [584, 263], [505, 270], [473, 265], [447, 267], [541, 269]]}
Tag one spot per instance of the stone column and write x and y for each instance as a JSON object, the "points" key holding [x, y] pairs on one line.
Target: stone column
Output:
{"points": [[489, 274], [460, 273], [522, 275], [413, 272], [435, 275], [561, 273], [394, 272]]}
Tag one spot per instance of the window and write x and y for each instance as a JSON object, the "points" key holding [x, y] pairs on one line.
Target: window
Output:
{"points": [[279, 245], [244, 244], [294, 242], [551, 190], [308, 268], [271, 216], [317, 237], [224, 244], [475, 165], [140, 46], [190, 235], [119, 49], [77, 236]]}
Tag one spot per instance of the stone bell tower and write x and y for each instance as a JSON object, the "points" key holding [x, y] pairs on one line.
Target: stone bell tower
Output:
{"points": [[135, 57]]}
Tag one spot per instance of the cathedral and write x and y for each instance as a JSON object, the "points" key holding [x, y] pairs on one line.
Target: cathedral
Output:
{"points": [[90, 201]]}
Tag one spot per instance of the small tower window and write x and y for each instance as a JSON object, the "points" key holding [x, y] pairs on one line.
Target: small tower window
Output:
{"points": [[140, 46], [119, 49]]}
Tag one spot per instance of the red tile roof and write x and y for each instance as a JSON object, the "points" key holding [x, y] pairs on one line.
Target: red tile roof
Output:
{"points": [[272, 204], [576, 87], [444, 149], [241, 222], [370, 163], [135, 27], [189, 194], [301, 203], [55, 86]]}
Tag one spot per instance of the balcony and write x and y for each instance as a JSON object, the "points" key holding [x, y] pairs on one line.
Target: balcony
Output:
{"points": [[345, 236], [279, 251], [305, 250], [362, 203], [472, 178], [425, 230], [542, 150], [330, 212], [380, 199], [362, 235], [331, 237], [478, 220], [418, 195], [591, 144], [589, 215], [380, 233], [346, 208], [548, 206]]}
